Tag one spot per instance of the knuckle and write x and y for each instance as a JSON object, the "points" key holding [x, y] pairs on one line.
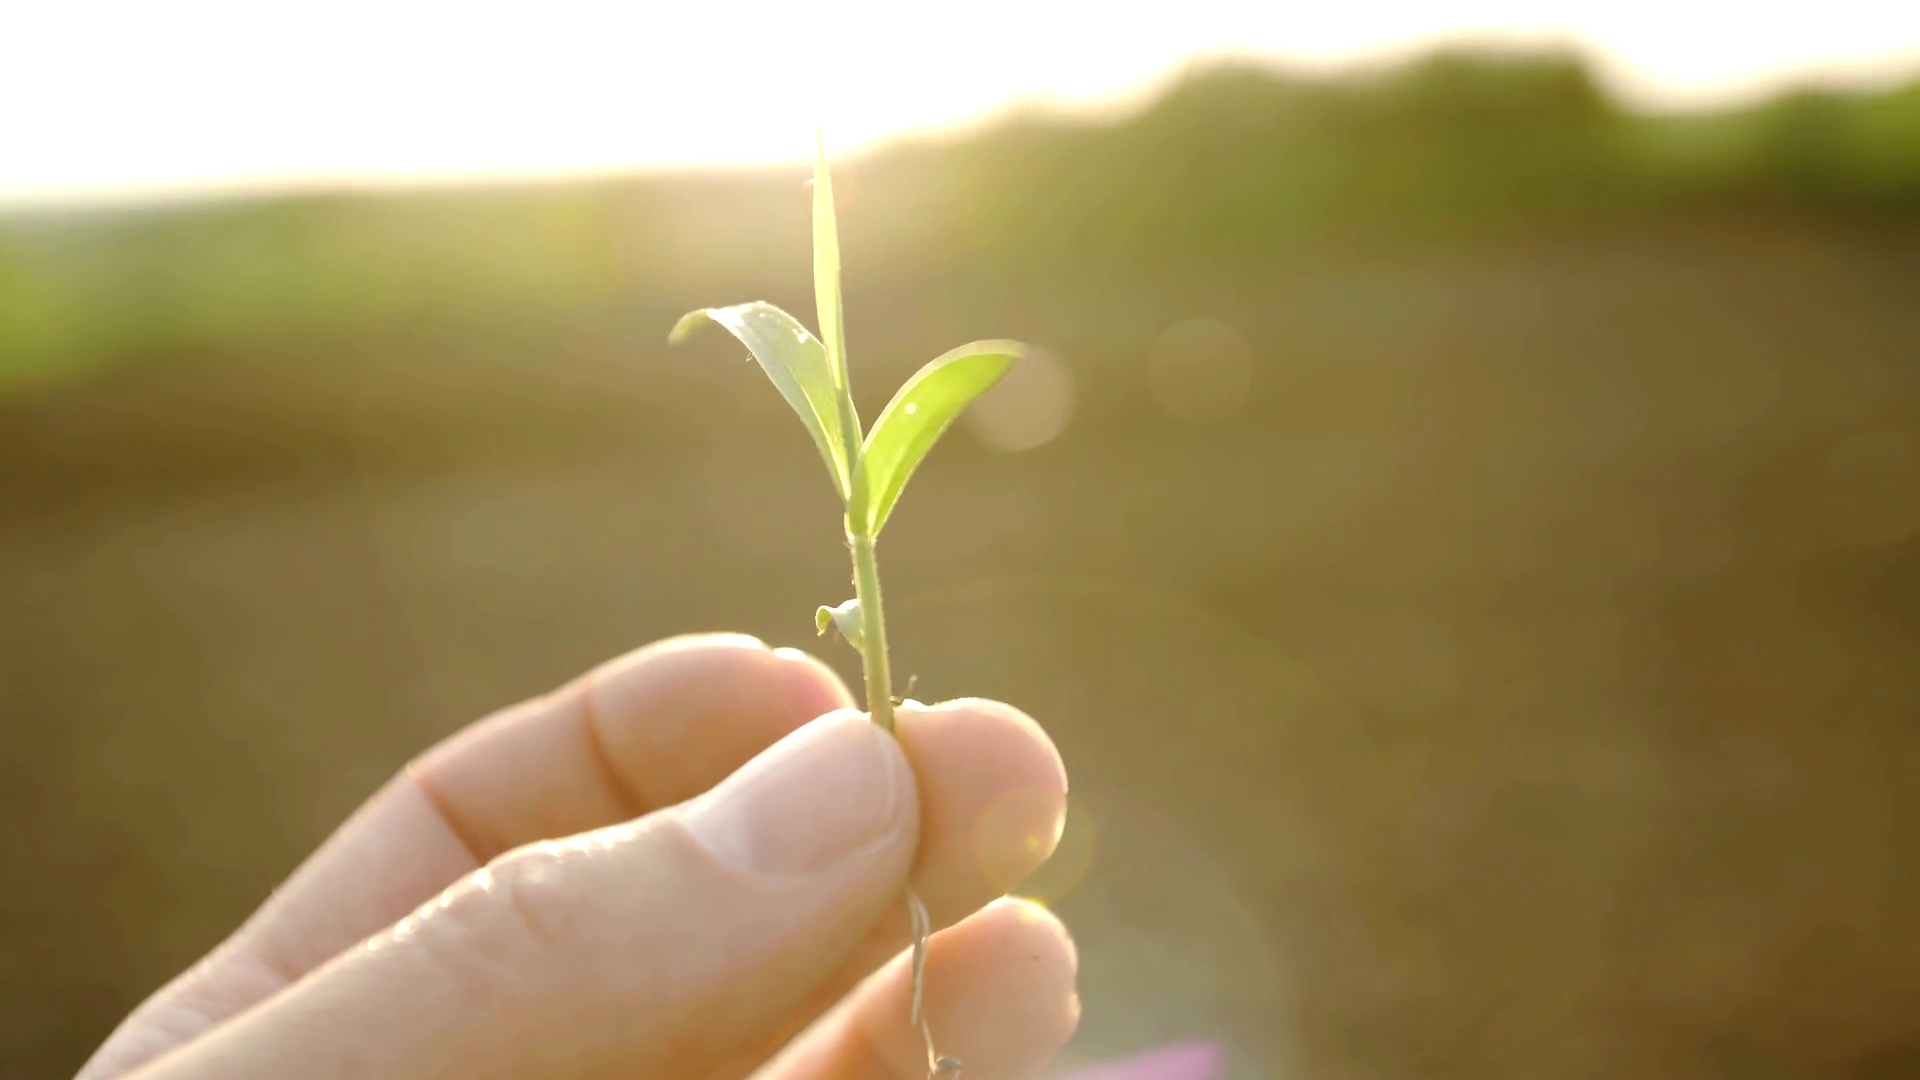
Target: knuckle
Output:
{"points": [[512, 929], [537, 903]]}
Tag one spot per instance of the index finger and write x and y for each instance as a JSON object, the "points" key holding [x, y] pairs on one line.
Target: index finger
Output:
{"points": [[650, 729]]}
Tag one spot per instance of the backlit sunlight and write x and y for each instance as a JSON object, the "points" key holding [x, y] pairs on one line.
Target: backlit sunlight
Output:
{"points": [[111, 99]]}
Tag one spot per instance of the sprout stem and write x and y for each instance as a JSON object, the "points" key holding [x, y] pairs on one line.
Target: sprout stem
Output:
{"points": [[873, 630], [873, 626]]}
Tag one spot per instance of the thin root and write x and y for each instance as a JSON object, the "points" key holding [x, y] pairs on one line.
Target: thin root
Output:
{"points": [[938, 1067]]}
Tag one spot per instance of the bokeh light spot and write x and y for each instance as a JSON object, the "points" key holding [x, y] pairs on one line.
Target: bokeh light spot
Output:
{"points": [[1028, 407], [1015, 832], [1199, 370], [1072, 859]]}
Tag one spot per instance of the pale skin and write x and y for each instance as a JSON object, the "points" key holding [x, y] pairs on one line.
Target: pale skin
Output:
{"points": [[665, 869]]}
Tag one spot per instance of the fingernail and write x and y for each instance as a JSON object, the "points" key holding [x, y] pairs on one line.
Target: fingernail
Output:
{"points": [[825, 792]]}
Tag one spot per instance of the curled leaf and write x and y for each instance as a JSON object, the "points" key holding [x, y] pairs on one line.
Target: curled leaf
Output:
{"points": [[798, 365], [914, 420], [847, 618]]}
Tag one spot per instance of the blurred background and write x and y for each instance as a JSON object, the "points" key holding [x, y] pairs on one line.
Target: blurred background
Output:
{"points": [[1462, 526]]}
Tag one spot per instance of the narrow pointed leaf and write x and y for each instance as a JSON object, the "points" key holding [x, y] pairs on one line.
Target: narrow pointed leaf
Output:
{"points": [[797, 363], [826, 296], [914, 420], [826, 264], [847, 618]]}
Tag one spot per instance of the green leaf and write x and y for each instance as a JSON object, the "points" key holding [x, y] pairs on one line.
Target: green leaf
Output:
{"points": [[797, 363], [847, 618], [826, 297], [826, 264], [914, 420]]}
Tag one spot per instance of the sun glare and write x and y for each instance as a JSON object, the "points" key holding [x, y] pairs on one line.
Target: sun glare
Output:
{"points": [[118, 98]]}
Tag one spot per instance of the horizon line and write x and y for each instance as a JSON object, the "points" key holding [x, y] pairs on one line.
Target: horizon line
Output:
{"points": [[1899, 68]]}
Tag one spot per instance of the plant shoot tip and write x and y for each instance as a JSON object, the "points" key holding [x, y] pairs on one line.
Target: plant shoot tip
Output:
{"points": [[686, 325]]}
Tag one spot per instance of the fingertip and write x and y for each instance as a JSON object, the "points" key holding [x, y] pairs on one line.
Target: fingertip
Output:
{"points": [[1003, 724], [707, 703], [724, 639], [1020, 955], [1001, 990], [806, 682], [837, 789], [1031, 934], [625, 681], [811, 681], [724, 660], [993, 794]]}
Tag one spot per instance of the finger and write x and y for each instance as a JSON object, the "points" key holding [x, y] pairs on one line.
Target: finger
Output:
{"points": [[993, 797], [999, 997], [645, 949], [649, 729]]}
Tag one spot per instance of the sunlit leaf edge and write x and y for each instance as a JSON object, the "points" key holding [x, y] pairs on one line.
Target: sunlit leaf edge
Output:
{"points": [[903, 434], [805, 381]]}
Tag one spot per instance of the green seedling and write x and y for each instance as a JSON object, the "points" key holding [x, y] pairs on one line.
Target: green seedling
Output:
{"points": [[868, 470]]}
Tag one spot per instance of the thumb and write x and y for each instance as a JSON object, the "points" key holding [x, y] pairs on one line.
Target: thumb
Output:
{"points": [[653, 948]]}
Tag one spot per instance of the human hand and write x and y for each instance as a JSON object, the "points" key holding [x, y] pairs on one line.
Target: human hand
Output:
{"points": [[664, 869]]}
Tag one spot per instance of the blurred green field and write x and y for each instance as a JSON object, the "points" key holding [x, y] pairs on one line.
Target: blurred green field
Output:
{"points": [[1464, 537]]}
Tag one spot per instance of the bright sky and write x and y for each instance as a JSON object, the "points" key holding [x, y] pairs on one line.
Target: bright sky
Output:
{"points": [[145, 96]]}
